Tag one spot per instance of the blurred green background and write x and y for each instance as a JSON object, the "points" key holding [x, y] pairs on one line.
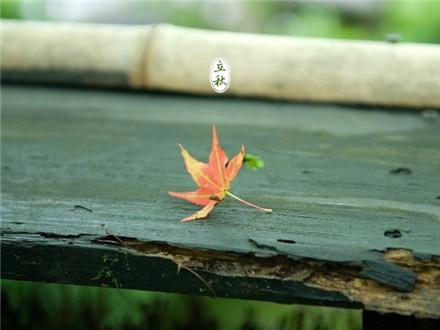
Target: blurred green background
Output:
{"points": [[28, 305], [407, 20]]}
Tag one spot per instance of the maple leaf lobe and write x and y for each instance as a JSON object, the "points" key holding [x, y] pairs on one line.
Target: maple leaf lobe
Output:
{"points": [[213, 178]]}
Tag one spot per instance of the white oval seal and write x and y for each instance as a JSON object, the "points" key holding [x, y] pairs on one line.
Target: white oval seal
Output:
{"points": [[220, 75]]}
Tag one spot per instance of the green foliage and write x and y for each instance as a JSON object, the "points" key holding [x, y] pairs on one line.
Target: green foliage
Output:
{"points": [[27, 305], [10, 9], [253, 162], [413, 20]]}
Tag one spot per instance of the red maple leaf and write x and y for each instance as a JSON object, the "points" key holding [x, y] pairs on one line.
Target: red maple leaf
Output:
{"points": [[213, 179]]}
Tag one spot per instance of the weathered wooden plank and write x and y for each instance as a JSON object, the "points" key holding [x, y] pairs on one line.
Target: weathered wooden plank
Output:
{"points": [[345, 220]]}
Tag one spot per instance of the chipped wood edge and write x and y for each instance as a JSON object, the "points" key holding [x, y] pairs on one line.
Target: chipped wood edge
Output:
{"points": [[423, 301], [228, 274]]}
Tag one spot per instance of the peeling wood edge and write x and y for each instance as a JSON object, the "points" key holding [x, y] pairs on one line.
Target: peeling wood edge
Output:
{"points": [[85, 261], [229, 274]]}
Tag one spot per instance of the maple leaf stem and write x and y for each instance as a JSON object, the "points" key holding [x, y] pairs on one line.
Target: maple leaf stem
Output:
{"points": [[262, 209]]}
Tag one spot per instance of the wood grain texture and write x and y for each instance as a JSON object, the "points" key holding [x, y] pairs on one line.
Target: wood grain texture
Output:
{"points": [[347, 228]]}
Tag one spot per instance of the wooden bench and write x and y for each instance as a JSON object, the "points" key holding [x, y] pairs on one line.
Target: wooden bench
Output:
{"points": [[355, 194]]}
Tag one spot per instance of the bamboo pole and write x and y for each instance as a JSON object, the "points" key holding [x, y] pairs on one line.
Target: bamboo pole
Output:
{"points": [[170, 58]]}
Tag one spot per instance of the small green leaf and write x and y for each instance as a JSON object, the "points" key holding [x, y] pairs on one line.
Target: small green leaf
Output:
{"points": [[253, 162]]}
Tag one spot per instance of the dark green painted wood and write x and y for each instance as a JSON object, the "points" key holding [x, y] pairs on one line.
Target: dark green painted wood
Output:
{"points": [[78, 260], [328, 174]]}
